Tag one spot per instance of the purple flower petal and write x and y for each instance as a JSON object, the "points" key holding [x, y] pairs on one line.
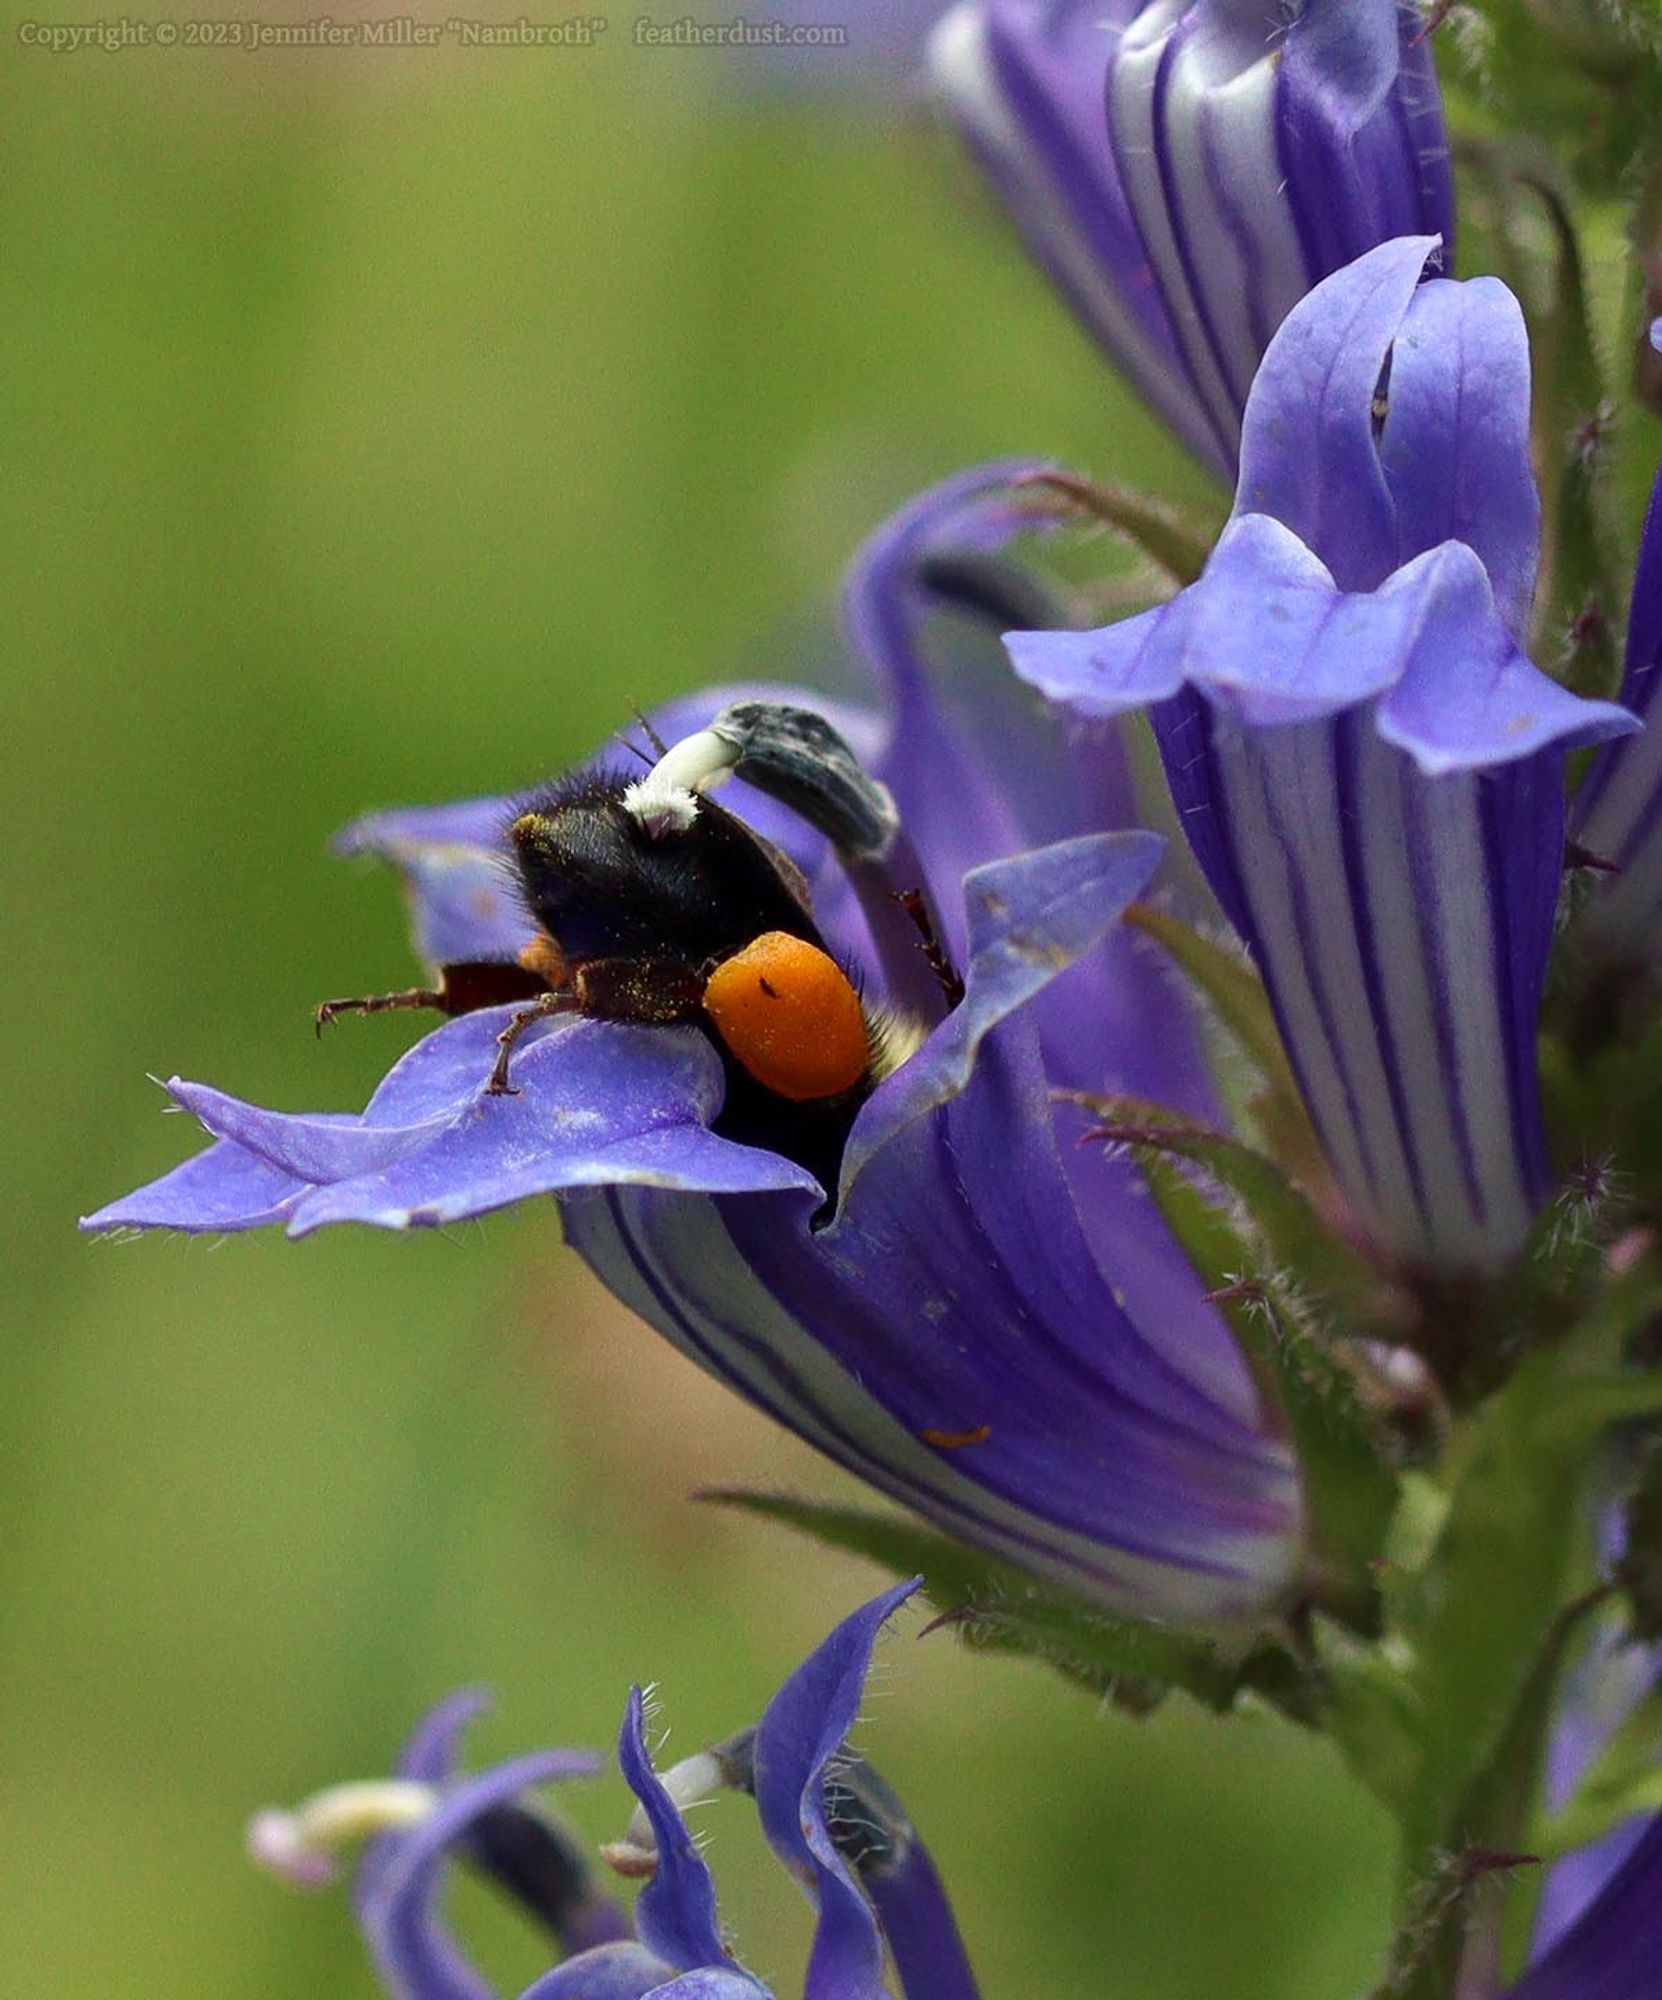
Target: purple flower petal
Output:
{"points": [[596, 1104], [918, 1926], [1455, 443], [1360, 130], [399, 1882], [676, 1914], [1366, 484], [432, 1750], [1309, 458], [1613, 1951], [1191, 112], [626, 1971], [803, 1730], [224, 1188]]}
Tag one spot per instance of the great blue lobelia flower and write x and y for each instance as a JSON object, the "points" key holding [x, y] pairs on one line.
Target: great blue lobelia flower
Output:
{"points": [[982, 1319], [1186, 170], [829, 1819], [1369, 771]]}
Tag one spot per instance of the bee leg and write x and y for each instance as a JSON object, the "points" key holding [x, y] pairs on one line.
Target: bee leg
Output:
{"points": [[463, 988], [381, 1003], [947, 977], [539, 1010]]}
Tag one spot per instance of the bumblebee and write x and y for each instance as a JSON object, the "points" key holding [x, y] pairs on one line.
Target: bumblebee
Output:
{"points": [[654, 905]]}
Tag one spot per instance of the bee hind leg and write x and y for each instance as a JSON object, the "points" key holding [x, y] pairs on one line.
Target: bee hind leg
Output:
{"points": [[381, 1003], [527, 1017], [463, 988]]}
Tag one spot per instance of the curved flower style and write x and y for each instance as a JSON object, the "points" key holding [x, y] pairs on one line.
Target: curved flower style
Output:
{"points": [[1241, 160], [872, 1882], [1369, 771], [1618, 810], [991, 1326]]}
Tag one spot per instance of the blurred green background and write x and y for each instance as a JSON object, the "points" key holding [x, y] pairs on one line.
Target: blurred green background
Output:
{"points": [[381, 426]]}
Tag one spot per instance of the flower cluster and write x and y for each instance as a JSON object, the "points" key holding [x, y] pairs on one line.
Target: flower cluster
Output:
{"points": [[830, 1820], [1247, 1261]]}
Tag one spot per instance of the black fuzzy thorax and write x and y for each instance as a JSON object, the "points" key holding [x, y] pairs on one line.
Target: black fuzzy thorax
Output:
{"points": [[603, 886]]}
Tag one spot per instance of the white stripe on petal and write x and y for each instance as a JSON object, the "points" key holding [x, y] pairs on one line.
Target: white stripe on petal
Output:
{"points": [[1133, 87], [1282, 792], [1458, 892], [1244, 253], [1372, 905]]}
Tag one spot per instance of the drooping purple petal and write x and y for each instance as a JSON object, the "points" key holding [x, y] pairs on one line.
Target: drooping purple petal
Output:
{"points": [[1372, 782], [981, 769], [1618, 810], [1455, 444], [432, 1749], [804, 1729], [595, 1103], [918, 1926], [676, 1914], [952, 1335], [400, 1881], [1613, 1951], [1359, 129], [224, 1188]]}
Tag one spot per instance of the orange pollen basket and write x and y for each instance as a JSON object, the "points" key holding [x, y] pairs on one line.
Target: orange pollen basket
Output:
{"points": [[788, 1014]]}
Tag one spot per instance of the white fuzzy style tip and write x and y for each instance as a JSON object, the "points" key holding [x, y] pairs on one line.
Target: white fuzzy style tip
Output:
{"points": [[660, 808], [666, 799]]}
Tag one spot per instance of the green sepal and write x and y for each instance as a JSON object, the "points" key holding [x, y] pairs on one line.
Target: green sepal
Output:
{"points": [[1372, 1719], [1577, 75], [1175, 544], [996, 1609], [1237, 996]]}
